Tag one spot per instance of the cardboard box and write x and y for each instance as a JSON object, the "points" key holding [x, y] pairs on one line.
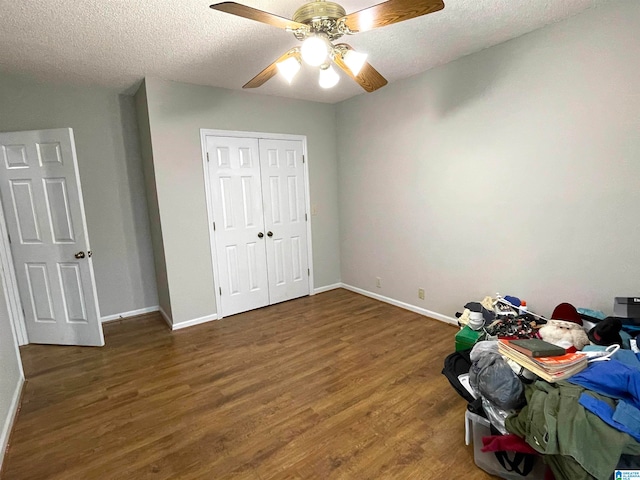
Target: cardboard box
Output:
{"points": [[626, 307]]}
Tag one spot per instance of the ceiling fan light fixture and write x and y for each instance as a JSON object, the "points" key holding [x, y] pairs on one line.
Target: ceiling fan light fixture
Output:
{"points": [[289, 68], [314, 50], [355, 61], [328, 77], [317, 24]]}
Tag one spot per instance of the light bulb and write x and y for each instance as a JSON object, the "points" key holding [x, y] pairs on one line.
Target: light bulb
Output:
{"points": [[314, 50], [355, 61], [328, 77], [289, 68]]}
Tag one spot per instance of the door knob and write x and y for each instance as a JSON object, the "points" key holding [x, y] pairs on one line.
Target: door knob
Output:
{"points": [[260, 234], [269, 234], [79, 255]]}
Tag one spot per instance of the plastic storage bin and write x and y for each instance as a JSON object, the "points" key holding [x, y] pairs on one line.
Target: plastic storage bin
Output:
{"points": [[477, 427]]}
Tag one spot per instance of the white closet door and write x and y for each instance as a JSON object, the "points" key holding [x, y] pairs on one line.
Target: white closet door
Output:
{"points": [[234, 170], [283, 189]]}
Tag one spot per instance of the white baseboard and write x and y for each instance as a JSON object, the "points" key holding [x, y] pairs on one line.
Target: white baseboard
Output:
{"points": [[326, 288], [132, 313], [194, 321], [166, 317], [186, 323], [406, 306], [8, 422]]}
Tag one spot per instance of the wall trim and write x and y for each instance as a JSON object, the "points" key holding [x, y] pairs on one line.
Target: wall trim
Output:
{"points": [[166, 317], [186, 323], [132, 313], [406, 306], [7, 427], [194, 321], [326, 288]]}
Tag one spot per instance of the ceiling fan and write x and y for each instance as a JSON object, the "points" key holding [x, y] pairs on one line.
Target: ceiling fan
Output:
{"points": [[317, 24]]}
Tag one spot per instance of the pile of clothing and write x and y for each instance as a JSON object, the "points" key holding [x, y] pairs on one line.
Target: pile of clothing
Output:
{"points": [[578, 424], [586, 426]]}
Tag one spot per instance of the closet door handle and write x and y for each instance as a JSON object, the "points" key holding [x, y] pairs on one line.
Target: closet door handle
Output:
{"points": [[260, 234], [269, 234]]}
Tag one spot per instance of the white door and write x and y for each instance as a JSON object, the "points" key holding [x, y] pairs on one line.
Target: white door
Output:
{"points": [[283, 190], [260, 231], [234, 167], [43, 208]]}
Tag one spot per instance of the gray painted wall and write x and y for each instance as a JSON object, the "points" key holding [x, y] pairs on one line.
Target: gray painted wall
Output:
{"points": [[105, 130], [11, 376], [513, 170], [177, 112], [146, 150]]}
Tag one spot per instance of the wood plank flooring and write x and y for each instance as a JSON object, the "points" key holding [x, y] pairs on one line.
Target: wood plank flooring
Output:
{"points": [[334, 386]]}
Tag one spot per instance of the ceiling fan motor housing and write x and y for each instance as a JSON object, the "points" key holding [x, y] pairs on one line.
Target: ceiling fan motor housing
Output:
{"points": [[320, 10], [321, 17]]}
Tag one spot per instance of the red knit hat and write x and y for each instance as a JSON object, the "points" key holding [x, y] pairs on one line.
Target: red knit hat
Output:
{"points": [[567, 313]]}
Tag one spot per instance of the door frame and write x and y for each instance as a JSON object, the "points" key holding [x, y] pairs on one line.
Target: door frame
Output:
{"points": [[207, 132], [10, 284]]}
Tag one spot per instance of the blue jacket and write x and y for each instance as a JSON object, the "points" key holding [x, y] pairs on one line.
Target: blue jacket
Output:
{"points": [[616, 380]]}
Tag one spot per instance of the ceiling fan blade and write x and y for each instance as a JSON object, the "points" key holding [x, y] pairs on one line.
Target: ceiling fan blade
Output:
{"points": [[271, 70], [257, 15], [368, 77], [389, 12]]}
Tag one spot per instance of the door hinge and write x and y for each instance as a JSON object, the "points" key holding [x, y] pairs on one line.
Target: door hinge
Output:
{"points": [[308, 272], [214, 226], [9, 237], [207, 156], [220, 288], [306, 219], [302, 158]]}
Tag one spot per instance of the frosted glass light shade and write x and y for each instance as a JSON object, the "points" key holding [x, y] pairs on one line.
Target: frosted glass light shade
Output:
{"points": [[355, 61], [289, 68], [328, 77], [314, 51]]}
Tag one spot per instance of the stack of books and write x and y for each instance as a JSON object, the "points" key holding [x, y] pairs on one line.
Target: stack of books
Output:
{"points": [[547, 361]]}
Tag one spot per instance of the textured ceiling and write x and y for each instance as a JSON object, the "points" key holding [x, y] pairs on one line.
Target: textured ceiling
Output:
{"points": [[115, 43]]}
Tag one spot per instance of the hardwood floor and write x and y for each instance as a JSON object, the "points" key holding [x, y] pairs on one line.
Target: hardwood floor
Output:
{"points": [[334, 386]]}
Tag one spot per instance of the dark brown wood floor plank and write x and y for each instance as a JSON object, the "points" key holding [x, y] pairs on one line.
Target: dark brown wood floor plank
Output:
{"points": [[334, 386]]}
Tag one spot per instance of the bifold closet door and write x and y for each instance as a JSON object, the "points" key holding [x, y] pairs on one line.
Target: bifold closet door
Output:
{"points": [[258, 197], [284, 202], [236, 192]]}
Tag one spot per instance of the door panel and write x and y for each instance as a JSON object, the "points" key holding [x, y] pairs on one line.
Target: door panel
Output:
{"points": [[25, 211], [284, 216], [72, 293], [40, 292], [42, 201], [57, 205], [237, 211]]}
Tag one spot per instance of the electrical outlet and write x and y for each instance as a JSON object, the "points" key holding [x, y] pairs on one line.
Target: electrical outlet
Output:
{"points": [[421, 293], [378, 282]]}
